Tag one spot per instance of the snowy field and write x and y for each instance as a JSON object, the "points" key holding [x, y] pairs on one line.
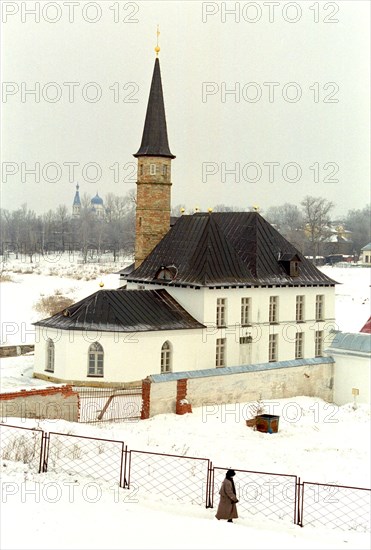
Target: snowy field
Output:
{"points": [[316, 441]]}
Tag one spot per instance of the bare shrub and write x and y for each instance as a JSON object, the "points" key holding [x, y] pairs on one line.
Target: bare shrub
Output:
{"points": [[6, 278], [21, 449], [50, 305]]}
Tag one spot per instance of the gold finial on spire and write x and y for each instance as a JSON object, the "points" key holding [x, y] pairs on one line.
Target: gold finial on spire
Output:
{"points": [[157, 48]]}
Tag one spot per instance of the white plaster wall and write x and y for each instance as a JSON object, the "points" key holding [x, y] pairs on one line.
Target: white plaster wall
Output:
{"points": [[133, 356], [351, 371], [212, 392], [127, 356], [260, 329], [310, 380], [163, 398]]}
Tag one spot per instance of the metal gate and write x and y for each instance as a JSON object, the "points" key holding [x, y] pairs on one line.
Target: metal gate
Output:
{"points": [[109, 404]]}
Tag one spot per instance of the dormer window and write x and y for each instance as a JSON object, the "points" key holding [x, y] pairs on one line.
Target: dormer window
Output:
{"points": [[294, 269], [290, 263], [166, 273]]}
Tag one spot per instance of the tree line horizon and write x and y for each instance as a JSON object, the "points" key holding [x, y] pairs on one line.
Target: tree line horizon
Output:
{"points": [[308, 226]]}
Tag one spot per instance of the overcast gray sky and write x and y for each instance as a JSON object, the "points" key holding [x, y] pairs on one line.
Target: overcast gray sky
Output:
{"points": [[266, 102]]}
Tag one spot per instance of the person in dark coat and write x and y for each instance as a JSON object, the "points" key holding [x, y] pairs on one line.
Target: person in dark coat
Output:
{"points": [[227, 508]]}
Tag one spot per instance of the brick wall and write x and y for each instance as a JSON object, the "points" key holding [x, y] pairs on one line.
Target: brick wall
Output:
{"points": [[47, 403], [13, 351], [153, 205]]}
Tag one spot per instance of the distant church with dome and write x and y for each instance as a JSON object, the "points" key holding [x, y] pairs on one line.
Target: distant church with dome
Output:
{"points": [[96, 205]]}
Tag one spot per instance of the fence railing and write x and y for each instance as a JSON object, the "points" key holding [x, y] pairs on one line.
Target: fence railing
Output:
{"points": [[109, 404], [21, 444], [263, 494], [93, 457], [188, 479], [178, 477], [335, 506]]}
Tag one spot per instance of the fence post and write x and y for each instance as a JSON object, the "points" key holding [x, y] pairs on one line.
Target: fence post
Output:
{"points": [[44, 455], [123, 482], [301, 504], [210, 481], [146, 399], [297, 502]]}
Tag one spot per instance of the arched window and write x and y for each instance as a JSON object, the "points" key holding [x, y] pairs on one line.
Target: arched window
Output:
{"points": [[96, 355], [166, 357], [50, 355]]}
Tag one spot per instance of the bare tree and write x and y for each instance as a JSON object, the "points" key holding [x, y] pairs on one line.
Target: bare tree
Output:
{"points": [[62, 218], [316, 219], [225, 208], [287, 217], [358, 222]]}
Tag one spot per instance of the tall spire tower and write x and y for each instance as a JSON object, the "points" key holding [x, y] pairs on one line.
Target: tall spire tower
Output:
{"points": [[154, 173]]}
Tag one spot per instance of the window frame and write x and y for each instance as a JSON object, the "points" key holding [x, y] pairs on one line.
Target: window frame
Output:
{"points": [[299, 345], [320, 307], [50, 356], [300, 308], [273, 348], [220, 352], [95, 360], [245, 311], [318, 343], [166, 357], [273, 310], [221, 312]]}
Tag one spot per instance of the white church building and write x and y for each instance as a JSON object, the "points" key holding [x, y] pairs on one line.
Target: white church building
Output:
{"points": [[211, 292]]}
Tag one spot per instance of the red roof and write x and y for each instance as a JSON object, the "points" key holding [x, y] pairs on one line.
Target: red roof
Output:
{"points": [[367, 327]]}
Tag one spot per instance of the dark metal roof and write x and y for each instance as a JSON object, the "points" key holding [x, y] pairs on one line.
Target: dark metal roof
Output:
{"points": [[154, 141], [226, 249], [127, 270], [124, 311]]}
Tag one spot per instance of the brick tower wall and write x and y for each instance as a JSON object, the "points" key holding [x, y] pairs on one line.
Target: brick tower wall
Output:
{"points": [[153, 205]]}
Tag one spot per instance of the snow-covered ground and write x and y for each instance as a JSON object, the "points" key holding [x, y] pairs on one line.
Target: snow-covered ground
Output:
{"points": [[316, 441]]}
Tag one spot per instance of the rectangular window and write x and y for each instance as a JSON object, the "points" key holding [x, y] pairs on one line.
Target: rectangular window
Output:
{"points": [[221, 312], [299, 345], [95, 365], [273, 347], [141, 169], [50, 356], [299, 309], [164, 170], [152, 169], [245, 311], [220, 352], [273, 309], [245, 340], [320, 307], [318, 343]]}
